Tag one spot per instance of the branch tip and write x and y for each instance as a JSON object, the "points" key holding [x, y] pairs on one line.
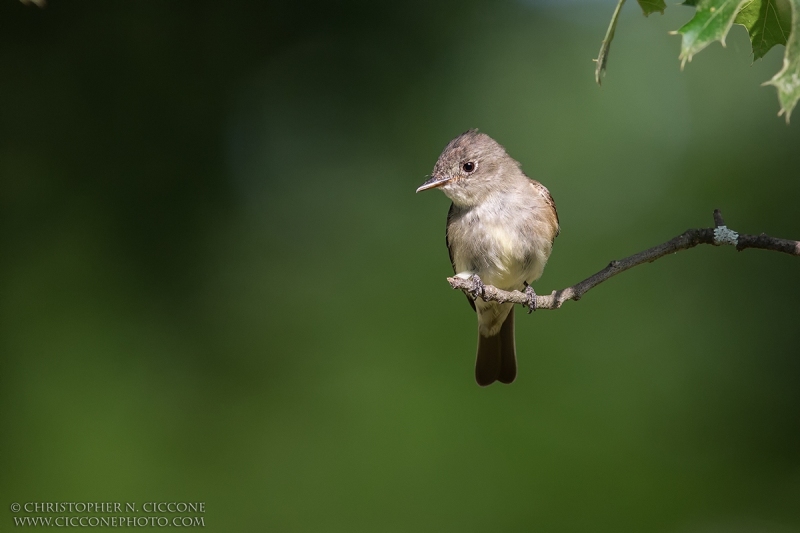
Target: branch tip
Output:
{"points": [[718, 220]]}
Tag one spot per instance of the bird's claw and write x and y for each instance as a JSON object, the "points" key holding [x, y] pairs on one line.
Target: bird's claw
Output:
{"points": [[478, 288], [531, 294]]}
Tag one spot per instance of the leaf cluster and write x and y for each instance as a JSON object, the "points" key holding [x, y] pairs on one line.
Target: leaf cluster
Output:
{"points": [[768, 22]]}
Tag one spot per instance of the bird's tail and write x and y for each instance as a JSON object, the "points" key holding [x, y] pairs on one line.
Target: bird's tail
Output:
{"points": [[497, 355]]}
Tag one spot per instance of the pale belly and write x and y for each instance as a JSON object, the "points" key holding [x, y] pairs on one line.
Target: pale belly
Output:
{"points": [[504, 253], [502, 256]]}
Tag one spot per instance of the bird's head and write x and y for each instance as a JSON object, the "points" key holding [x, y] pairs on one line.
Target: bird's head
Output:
{"points": [[471, 167]]}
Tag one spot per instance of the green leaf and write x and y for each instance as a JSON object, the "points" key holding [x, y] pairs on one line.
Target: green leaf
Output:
{"points": [[652, 6], [602, 57], [787, 81], [689, 3], [710, 23], [769, 22]]}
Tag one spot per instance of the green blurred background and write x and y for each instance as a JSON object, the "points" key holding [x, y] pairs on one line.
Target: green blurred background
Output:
{"points": [[218, 285]]}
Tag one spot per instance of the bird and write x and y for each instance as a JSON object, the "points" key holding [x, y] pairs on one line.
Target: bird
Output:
{"points": [[500, 231]]}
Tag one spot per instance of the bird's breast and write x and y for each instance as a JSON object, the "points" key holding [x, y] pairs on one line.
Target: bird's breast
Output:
{"points": [[499, 244]]}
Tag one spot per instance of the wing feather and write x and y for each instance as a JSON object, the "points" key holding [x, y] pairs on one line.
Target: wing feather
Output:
{"points": [[450, 214]]}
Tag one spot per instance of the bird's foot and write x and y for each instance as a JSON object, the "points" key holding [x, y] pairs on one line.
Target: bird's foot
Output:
{"points": [[478, 288], [531, 294]]}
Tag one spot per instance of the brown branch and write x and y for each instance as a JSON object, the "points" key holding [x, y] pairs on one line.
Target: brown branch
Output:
{"points": [[718, 235]]}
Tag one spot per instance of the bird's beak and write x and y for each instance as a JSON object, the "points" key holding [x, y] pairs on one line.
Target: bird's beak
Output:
{"points": [[435, 181]]}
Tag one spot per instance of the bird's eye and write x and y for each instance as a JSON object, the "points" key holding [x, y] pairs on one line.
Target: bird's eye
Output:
{"points": [[469, 166]]}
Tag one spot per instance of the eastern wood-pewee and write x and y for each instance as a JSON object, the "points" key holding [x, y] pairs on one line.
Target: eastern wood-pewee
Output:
{"points": [[500, 231]]}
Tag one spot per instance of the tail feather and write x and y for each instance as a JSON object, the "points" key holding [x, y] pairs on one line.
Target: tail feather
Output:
{"points": [[487, 363], [508, 351], [497, 359]]}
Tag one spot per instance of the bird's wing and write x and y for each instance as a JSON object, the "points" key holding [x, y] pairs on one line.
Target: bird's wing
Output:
{"points": [[450, 250], [542, 191]]}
